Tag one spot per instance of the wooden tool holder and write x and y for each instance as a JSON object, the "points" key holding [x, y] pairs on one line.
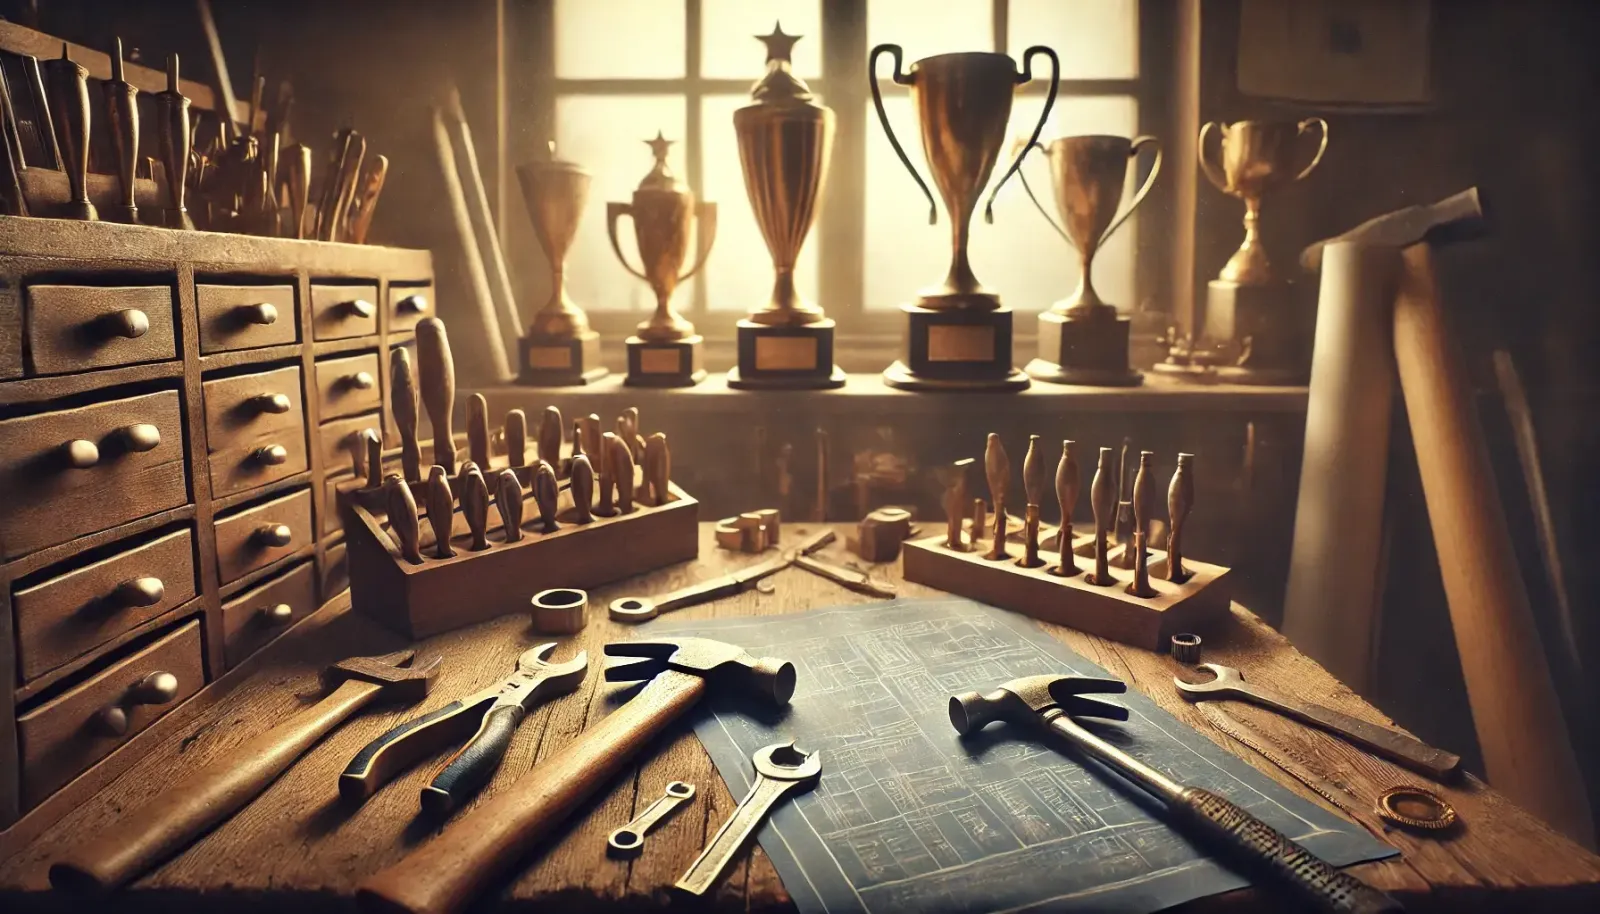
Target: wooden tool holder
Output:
{"points": [[472, 586]]}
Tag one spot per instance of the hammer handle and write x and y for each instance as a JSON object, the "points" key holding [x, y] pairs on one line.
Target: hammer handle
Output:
{"points": [[137, 843], [476, 849]]}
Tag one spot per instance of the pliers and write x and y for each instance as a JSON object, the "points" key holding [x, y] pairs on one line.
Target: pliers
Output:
{"points": [[496, 712]]}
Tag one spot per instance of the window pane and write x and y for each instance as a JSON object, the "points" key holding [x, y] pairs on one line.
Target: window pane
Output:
{"points": [[728, 50], [606, 134], [1096, 39], [739, 274], [619, 39], [925, 29], [1019, 256]]}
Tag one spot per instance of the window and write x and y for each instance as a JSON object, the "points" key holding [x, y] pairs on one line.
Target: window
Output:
{"points": [[623, 69]]}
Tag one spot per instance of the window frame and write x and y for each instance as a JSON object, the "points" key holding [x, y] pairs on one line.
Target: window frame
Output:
{"points": [[840, 231]]}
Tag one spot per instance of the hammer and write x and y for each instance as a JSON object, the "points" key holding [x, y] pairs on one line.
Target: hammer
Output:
{"points": [[476, 849], [201, 800], [1051, 704], [1526, 748]]}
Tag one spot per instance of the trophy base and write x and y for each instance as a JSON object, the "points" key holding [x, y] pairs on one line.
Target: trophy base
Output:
{"points": [[1091, 352], [677, 363], [786, 358], [1270, 329], [956, 349], [561, 361]]}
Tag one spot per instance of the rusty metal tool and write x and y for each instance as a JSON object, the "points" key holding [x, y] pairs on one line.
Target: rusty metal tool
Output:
{"points": [[487, 720], [780, 770], [628, 840], [633, 610], [1393, 745], [477, 849], [1052, 704], [852, 578], [199, 800]]}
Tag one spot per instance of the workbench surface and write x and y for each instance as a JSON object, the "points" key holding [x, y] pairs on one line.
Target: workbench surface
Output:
{"points": [[298, 845]]}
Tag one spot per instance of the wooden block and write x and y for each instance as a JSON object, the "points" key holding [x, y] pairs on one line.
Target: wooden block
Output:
{"points": [[1110, 611]]}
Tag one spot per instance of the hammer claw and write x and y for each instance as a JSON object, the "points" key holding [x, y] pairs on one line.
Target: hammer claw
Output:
{"points": [[633, 670], [1077, 706]]}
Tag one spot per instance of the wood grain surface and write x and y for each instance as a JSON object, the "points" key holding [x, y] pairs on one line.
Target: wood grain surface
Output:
{"points": [[298, 845]]}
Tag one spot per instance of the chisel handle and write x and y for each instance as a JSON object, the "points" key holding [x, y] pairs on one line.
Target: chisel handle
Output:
{"points": [[436, 372], [447, 873], [136, 843]]}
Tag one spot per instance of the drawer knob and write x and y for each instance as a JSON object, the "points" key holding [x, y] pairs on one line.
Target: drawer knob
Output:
{"points": [[263, 313], [281, 614], [361, 380], [272, 455], [139, 592], [155, 689], [414, 304], [141, 438], [129, 323], [80, 453], [272, 403], [274, 535], [360, 307]]}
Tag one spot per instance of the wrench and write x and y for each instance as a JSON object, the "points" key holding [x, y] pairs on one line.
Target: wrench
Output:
{"points": [[780, 768], [628, 840], [633, 610]]}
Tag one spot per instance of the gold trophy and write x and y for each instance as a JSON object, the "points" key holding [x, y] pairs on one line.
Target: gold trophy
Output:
{"points": [[559, 348], [785, 139], [666, 352], [1082, 340], [959, 334], [1248, 307]]}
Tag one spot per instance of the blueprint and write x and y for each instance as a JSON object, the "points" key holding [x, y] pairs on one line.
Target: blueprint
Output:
{"points": [[907, 816]]}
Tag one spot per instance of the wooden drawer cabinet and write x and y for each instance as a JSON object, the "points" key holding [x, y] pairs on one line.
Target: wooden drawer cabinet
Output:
{"points": [[338, 312], [72, 614], [255, 429], [76, 328], [261, 613], [341, 438], [10, 334], [76, 471], [64, 736], [348, 386], [245, 317], [257, 536], [407, 305]]}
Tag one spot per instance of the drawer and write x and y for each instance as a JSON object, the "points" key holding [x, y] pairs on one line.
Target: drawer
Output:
{"points": [[10, 334], [260, 535], [348, 386], [335, 571], [341, 439], [68, 473], [255, 429], [245, 317], [70, 615], [262, 613], [407, 305], [76, 328], [338, 312], [66, 735]]}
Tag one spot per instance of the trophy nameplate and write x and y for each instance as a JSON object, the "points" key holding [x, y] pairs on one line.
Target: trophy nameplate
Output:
{"points": [[953, 343], [780, 353], [561, 362], [956, 349]]}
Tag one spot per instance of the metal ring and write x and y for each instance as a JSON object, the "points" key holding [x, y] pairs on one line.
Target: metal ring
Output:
{"points": [[1186, 648], [560, 610], [1416, 807]]}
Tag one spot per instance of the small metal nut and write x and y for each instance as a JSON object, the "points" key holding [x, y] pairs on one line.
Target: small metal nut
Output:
{"points": [[560, 610], [1186, 648]]}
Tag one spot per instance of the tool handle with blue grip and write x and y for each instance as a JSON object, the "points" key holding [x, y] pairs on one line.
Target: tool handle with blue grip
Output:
{"points": [[472, 767]]}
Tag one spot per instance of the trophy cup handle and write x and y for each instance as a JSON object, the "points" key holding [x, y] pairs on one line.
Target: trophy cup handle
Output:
{"points": [[1149, 181], [903, 79], [1033, 139], [1321, 147], [1023, 176], [615, 211], [705, 231], [1212, 172]]}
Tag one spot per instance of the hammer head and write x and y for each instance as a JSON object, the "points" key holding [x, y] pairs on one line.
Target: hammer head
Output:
{"points": [[1455, 218], [1036, 700], [770, 677], [399, 679]]}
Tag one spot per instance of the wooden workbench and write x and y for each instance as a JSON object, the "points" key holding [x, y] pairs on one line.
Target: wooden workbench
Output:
{"points": [[298, 846]]}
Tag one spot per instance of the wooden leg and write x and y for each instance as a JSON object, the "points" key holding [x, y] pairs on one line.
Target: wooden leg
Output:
{"points": [[1524, 739]]}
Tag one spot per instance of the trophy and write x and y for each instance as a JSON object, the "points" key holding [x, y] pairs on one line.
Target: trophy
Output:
{"points": [[785, 138], [1248, 307], [559, 349], [959, 334], [665, 352], [1082, 340]]}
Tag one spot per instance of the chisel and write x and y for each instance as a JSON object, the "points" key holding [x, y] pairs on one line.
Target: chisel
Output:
{"points": [[122, 113], [436, 371], [441, 511], [403, 394]]}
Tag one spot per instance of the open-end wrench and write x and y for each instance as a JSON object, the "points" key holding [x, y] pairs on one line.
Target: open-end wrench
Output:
{"points": [[628, 840], [643, 609], [780, 768], [1393, 745]]}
